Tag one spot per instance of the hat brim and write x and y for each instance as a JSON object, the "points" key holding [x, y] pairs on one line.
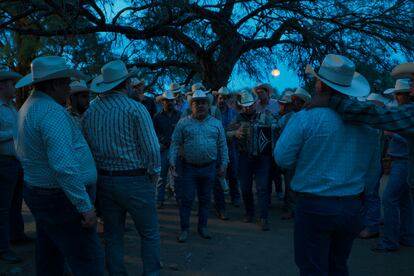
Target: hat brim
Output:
{"points": [[269, 88], [246, 104], [9, 75], [359, 86], [404, 70], [99, 86], [394, 90], [67, 73], [160, 98]]}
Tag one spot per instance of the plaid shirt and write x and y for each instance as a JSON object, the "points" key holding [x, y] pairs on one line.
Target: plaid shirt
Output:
{"points": [[399, 119]]}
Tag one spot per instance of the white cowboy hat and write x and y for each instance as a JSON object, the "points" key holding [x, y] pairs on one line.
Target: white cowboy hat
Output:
{"points": [[401, 86], [48, 68], [302, 94], [377, 97], [78, 86], [404, 70], [9, 75], [199, 95], [197, 86], [222, 91], [113, 74], [265, 86], [286, 97], [176, 88], [338, 72], [168, 95], [246, 99], [136, 81]]}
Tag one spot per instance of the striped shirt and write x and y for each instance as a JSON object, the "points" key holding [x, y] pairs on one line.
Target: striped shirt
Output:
{"points": [[200, 142], [8, 121], [52, 150], [398, 119], [121, 135]]}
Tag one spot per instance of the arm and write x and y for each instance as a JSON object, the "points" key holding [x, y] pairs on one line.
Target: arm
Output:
{"points": [[398, 119], [57, 136], [148, 140], [289, 143], [6, 135], [222, 148]]}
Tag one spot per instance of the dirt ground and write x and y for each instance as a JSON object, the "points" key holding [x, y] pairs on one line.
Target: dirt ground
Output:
{"points": [[236, 248]]}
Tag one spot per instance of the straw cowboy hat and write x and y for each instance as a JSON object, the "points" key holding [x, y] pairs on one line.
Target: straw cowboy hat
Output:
{"points": [[9, 75], [113, 74], [286, 97], [199, 95], [77, 86], [197, 86], [167, 95], [176, 88], [338, 72], [401, 86], [302, 94], [222, 91], [246, 99], [265, 86], [375, 97], [404, 70], [48, 68]]}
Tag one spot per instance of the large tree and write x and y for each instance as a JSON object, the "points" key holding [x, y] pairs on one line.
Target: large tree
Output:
{"points": [[206, 39]]}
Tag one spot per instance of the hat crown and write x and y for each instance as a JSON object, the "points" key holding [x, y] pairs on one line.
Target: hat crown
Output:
{"points": [[174, 86], [113, 71], [246, 98], [44, 66], [224, 91], [168, 95], [337, 69], [199, 94], [197, 86], [402, 84]]}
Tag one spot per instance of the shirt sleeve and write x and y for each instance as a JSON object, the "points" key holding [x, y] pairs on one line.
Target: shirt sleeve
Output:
{"points": [[222, 147], [148, 140], [289, 143], [398, 119], [56, 131], [176, 142]]}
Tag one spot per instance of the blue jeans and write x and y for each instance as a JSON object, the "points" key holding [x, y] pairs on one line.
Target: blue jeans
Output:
{"points": [[219, 197], [398, 208], [259, 167], [61, 237], [325, 228], [372, 206], [232, 171], [10, 171], [135, 195], [163, 176], [200, 179]]}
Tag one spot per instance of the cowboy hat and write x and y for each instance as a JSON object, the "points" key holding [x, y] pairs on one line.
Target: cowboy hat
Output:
{"points": [[176, 88], [78, 86], [403, 70], [265, 86], [222, 91], [338, 72], [48, 68], [302, 94], [9, 75], [113, 74], [199, 95], [377, 97], [197, 86], [246, 99], [167, 95], [136, 81], [401, 86], [286, 97]]}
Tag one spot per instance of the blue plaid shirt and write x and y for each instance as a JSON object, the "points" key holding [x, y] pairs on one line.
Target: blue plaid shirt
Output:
{"points": [[52, 150], [121, 135], [332, 158]]}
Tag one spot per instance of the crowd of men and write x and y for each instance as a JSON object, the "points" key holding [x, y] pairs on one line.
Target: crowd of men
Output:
{"points": [[72, 149]]}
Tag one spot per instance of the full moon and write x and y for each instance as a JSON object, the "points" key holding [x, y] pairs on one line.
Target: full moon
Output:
{"points": [[275, 72]]}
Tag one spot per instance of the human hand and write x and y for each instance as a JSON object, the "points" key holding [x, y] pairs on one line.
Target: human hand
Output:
{"points": [[88, 219], [221, 172], [173, 171], [239, 134]]}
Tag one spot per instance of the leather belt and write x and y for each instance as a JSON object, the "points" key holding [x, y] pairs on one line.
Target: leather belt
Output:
{"points": [[205, 165], [308, 195], [10, 157], [136, 172]]}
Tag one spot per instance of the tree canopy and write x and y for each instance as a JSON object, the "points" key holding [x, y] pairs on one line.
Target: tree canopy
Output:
{"points": [[208, 39]]}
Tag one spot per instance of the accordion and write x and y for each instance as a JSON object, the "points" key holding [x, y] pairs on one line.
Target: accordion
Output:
{"points": [[261, 139]]}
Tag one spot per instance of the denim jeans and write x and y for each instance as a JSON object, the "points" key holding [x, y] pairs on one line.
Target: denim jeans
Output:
{"points": [[372, 206], [289, 203], [135, 195], [10, 171], [325, 228], [163, 176], [219, 197], [202, 180], [258, 167], [61, 237], [232, 171], [398, 208]]}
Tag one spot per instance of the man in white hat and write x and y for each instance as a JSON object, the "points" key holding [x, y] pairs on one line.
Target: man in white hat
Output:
{"points": [[138, 94], [59, 173], [78, 100], [125, 146], [181, 103], [300, 98], [201, 140], [265, 103], [332, 161], [11, 172], [213, 110], [164, 124], [252, 130]]}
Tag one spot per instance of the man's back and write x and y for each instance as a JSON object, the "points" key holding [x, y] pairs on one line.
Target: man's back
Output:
{"points": [[332, 158]]}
